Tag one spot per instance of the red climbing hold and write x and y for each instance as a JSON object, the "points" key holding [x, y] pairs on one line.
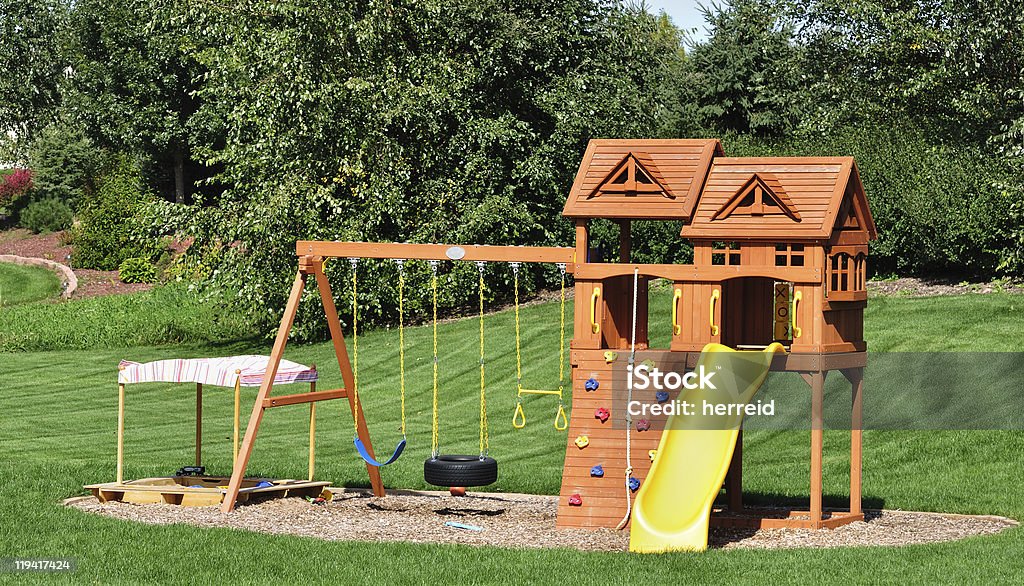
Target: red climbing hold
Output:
{"points": [[575, 500], [602, 414]]}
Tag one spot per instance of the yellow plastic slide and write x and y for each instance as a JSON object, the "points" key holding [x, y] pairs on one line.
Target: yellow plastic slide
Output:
{"points": [[671, 510]]}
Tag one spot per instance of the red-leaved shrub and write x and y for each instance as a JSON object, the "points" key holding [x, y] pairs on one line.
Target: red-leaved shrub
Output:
{"points": [[15, 185]]}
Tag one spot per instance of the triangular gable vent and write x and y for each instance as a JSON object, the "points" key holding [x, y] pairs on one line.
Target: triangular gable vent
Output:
{"points": [[635, 174], [761, 195], [852, 222]]}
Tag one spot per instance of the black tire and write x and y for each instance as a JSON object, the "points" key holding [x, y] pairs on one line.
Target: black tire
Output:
{"points": [[449, 470]]}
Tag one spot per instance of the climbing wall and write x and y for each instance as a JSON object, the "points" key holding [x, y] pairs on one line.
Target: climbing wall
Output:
{"points": [[588, 500]]}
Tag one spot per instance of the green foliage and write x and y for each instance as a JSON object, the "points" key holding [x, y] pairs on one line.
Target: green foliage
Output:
{"points": [[136, 270], [746, 77], [413, 121], [48, 214], [32, 67], [23, 284], [114, 224], [65, 164], [134, 87]]}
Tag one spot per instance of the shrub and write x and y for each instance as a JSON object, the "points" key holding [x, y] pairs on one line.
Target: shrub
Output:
{"points": [[14, 185], [65, 164], [46, 215], [136, 270], [113, 225]]}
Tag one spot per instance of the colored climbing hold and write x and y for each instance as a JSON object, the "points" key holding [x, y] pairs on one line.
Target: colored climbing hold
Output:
{"points": [[602, 414], [591, 384], [575, 500], [648, 363], [634, 484], [610, 356], [597, 471], [582, 441], [643, 425], [651, 454], [264, 484], [661, 396]]}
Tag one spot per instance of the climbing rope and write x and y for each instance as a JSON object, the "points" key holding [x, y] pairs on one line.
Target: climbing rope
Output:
{"points": [[629, 418], [484, 435], [433, 438]]}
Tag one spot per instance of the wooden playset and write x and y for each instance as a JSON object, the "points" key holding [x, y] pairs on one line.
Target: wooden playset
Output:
{"points": [[780, 246]]}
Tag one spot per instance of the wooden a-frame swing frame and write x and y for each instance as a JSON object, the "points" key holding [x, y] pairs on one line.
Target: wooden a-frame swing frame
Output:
{"points": [[311, 263]]}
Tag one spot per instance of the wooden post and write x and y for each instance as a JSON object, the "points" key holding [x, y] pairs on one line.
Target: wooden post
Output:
{"points": [[312, 432], [817, 382], [120, 433], [238, 406], [341, 352], [238, 473], [199, 424], [581, 241], [734, 479], [856, 377]]}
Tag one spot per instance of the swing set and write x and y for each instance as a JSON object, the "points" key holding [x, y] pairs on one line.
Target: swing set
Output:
{"points": [[439, 469]]}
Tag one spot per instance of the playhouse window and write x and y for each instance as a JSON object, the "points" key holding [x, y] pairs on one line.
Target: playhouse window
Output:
{"points": [[789, 255], [846, 272], [725, 253]]}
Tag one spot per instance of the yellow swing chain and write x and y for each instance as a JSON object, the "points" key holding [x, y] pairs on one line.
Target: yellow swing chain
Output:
{"points": [[355, 348], [484, 435], [561, 422], [518, 417], [434, 415], [401, 337]]}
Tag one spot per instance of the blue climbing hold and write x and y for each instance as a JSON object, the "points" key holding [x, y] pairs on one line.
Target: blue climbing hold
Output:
{"points": [[264, 484], [634, 484], [661, 396], [591, 384], [597, 471]]}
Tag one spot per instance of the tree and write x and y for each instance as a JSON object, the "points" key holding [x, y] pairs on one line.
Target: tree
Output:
{"points": [[32, 65], [747, 76], [413, 121], [133, 83]]}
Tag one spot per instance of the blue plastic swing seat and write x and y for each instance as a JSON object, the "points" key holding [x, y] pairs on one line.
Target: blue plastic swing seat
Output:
{"points": [[365, 454]]}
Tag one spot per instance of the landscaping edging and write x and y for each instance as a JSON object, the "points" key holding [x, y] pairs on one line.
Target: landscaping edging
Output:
{"points": [[69, 282]]}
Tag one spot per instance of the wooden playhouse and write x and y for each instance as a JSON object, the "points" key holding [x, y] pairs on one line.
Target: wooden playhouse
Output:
{"points": [[779, 255]]}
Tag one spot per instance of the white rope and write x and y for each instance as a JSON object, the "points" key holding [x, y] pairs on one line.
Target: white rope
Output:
{"points": [[629, 418]]}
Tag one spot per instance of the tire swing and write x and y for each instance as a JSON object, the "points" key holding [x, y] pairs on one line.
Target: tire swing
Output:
{"points": [[459, 470]]}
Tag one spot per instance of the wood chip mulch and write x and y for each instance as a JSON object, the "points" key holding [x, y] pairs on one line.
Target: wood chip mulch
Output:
{"points": [[519, 521]]}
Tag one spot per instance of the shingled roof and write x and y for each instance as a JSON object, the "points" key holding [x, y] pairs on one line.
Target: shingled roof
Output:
{"points": [[641, 179], [779, 198]]}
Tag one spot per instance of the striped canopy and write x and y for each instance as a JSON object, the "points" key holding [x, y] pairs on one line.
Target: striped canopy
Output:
{"points": [[222, 372]]}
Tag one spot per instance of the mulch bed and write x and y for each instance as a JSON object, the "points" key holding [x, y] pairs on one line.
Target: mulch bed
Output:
{"points": [[90, 283], [519, 521]]}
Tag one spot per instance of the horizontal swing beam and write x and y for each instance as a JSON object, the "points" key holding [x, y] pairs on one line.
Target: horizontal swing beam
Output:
{"points": [[304, 398], [545, 254]]}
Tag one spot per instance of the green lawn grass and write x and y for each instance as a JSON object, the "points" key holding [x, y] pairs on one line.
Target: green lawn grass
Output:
{"points": [[22, 284], [59, 413]]}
